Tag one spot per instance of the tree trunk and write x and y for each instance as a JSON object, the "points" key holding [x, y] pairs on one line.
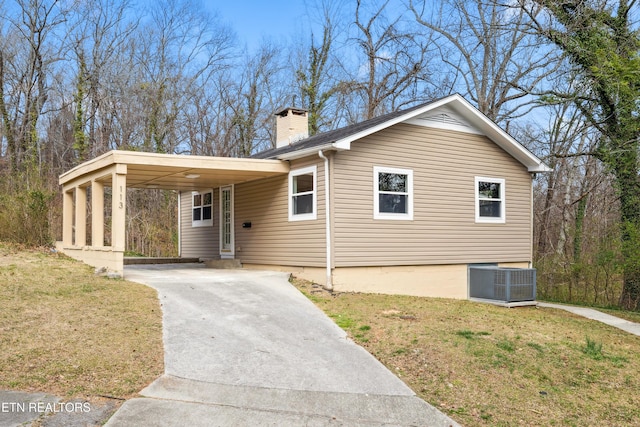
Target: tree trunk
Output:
{"points": [[6, 120], [628, 182], [545, 223]]}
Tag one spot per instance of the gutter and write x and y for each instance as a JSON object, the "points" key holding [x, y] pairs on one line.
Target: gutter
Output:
{"points": [[331, 146], [327, 215]]}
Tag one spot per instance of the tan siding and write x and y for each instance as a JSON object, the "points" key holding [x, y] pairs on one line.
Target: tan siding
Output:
{"points": [[443, 231], [198, 242], [272, 239]]}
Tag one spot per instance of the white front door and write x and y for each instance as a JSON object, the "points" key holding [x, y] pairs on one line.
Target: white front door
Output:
{"points": [[226, 222]]}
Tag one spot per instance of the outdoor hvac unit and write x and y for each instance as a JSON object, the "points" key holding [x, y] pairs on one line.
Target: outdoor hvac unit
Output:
{"points": [[502, 284]]}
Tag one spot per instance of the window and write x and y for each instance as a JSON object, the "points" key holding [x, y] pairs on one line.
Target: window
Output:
{"points": [[392, 193], [490, 203], [302, 194], [202, 208]]}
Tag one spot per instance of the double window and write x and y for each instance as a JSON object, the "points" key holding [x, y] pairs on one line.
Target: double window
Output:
{"points": [[303, 194], [392, 193], [490, 200], [202, 209]]}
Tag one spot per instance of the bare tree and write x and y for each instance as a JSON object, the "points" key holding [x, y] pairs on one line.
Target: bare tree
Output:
{"points": [[26, 58], [394, 67], [180, 50], [204, 122], [319, 78], [566, 135], [492, 58], [97, 40], [254, 107]]}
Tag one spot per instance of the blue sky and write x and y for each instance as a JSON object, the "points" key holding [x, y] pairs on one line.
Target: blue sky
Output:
{"points": [[253, 20]]}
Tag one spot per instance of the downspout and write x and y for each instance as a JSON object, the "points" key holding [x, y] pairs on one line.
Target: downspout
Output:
{"points": [[329, 284], [532, 219], [179, 225]]}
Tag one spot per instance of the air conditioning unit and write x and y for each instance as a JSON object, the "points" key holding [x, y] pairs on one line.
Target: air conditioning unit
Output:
{"points": [[502, 283]]}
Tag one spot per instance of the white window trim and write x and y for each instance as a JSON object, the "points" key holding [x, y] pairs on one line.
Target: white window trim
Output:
{"points": [[304, 171], [376, 194], [201, 222], [502, 199]]}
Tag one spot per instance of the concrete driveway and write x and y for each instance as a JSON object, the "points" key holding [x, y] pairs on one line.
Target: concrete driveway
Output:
{"points": [[247, 348]]}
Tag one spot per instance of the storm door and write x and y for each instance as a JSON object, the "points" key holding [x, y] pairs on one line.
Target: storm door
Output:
{"points": [[226, 222]]}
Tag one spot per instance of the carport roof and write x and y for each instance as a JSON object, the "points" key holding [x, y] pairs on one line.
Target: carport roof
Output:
{"points": [[172, 171]]}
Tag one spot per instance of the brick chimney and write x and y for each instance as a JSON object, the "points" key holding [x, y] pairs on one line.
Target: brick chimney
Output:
{"points": [[292, 125]]}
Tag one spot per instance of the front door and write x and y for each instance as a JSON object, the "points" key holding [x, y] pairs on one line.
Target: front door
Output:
{"points": [[226, 222]]}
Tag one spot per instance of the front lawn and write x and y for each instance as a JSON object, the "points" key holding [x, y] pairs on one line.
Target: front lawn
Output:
{"points": [[68, 332], [490, 366]]}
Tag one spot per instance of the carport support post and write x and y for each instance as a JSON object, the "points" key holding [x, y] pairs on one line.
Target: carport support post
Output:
{"points": [[118, 208], [97, 214], [81, 216], [67, 217]]}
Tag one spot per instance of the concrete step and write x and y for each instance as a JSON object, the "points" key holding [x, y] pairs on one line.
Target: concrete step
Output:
{"points": [[224, 264]]}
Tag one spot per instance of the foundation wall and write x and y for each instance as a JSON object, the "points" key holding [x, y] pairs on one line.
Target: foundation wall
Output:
{"points": [[439, 281], [102, 258], [444, 281], [313, 274]]}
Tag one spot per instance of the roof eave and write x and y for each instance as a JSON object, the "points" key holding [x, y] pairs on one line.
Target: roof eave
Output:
{"points": [[340, 145]]}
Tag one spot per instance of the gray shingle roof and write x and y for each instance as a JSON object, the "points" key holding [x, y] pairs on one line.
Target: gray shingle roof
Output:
{"points": [[342, 138]]}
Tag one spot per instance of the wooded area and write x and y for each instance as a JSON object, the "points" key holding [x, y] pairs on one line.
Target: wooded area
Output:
{"points": [[80, 78]]}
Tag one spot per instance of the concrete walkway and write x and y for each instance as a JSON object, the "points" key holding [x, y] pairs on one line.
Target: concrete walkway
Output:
{"points": [[590, 313], [247, 348]]}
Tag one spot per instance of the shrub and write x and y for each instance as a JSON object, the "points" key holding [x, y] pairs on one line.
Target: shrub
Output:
{"points": [[24, 213]]}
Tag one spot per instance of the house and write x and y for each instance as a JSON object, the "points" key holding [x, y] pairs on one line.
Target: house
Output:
{"points": [[402, 203]]}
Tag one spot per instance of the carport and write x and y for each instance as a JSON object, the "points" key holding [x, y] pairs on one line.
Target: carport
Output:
{"points": [[120, 170]]}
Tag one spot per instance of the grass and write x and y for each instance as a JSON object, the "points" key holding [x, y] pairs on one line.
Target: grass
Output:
{"points": [[490, 366], [593, 349], [66, 331]]}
